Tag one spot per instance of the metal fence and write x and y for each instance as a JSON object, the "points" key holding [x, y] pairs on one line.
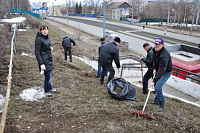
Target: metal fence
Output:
{"points": [[5, 110], [176, 70], [192, 76]]}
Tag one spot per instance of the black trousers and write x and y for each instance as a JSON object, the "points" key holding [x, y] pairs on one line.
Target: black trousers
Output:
{"points": [[110, 70], [147, 76], [70, 53]]}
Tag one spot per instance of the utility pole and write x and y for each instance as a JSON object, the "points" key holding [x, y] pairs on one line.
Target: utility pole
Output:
{"points": [[53, 8], [132, 10], [197, 19], [194, 14], [168, 12], [104, 15], [67, 11]]}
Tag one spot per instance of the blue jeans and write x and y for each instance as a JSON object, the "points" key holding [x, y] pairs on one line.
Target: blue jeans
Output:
{"points": [[158, 87], [111, 75], [47, 81], [99, 72]]}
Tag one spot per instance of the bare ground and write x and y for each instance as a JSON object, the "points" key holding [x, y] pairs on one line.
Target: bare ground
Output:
{"points": [[81, 104]]}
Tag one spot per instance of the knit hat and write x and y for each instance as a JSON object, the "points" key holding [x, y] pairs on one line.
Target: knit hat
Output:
{"points": [[117, 39], [102, 39]]}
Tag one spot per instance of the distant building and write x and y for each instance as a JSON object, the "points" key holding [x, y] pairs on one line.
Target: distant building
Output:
{"points": [[56, 10], [116, 10], [138, 5]]}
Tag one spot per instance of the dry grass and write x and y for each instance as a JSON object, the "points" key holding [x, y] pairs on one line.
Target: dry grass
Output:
{"points": [[82, 104]]}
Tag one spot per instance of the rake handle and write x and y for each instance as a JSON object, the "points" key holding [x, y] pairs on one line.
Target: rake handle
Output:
{"points": [[147, 98]]}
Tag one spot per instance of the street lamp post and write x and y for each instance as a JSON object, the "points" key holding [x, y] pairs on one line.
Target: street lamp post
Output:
{"points": [[168, 12], [67, 11], [194, 14], [104, 15], [53, 8]]}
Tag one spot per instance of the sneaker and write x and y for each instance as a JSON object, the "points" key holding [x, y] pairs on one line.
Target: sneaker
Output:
{"points": [[53, 90], [48, 94], [97, 77]]}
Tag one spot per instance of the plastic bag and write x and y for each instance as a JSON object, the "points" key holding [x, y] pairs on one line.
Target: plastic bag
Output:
{"points": [[128, 91]]}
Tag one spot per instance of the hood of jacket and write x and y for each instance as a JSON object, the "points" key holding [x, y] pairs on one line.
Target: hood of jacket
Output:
{"points": [[65, 37], [39, 34]]}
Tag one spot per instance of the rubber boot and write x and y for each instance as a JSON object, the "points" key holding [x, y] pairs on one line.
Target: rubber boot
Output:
{"points": [[161, 107]]}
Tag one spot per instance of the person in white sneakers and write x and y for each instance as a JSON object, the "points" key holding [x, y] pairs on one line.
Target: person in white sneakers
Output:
{"points": [[43, 49]]}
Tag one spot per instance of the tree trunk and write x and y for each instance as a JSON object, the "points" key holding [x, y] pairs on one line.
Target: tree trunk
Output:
{"points": [[168, 13], [175, 17], [132, 9], [197, 19]]}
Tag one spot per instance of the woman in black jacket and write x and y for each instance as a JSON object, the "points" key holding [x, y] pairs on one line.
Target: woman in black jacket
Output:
{"points": [[43, 49]]}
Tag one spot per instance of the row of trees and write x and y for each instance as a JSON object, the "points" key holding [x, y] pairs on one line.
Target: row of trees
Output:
{"points": [[6, 5], [85, 7], [177, 10], [180, 11]]}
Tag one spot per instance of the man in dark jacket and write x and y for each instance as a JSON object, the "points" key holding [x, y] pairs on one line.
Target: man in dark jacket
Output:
{"points": [[108, 53], [149, 63], [99, 67], [67, 46], [162, 65]]}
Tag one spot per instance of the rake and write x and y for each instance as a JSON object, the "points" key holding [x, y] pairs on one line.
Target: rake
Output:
{"points": [[142, 114]]}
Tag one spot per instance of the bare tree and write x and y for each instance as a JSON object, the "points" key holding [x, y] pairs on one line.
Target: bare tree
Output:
{"points": [[63, 10]]}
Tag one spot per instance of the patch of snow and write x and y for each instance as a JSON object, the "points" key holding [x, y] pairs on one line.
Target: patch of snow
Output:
{"points": [[25, 54], [126, 72], [32, 94], [13, 20], [22, 29], [2, 99], [87, 61]]}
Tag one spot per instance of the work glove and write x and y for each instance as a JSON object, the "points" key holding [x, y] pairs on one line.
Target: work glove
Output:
{"points": [[51, 49], [42, 68], [151, 88], [118, 69]]}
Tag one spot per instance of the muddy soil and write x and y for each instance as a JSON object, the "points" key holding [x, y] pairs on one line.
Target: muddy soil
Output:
{"points": [[81, 103]]}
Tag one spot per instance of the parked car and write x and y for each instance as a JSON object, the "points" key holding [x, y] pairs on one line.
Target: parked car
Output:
{"points": [[99, 16]]}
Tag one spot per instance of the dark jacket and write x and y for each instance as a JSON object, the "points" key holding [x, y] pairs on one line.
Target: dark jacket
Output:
{"points": [[43, 51], [199, 46], [149, 59], [100, 46], [67, 42], [162, 63], [108, 53]]}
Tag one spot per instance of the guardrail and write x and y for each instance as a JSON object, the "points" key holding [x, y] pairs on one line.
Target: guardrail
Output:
{"points": [[136, 65], [120, 57], [130, 65], [5, 110], [190, 73], [137, 58]]}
